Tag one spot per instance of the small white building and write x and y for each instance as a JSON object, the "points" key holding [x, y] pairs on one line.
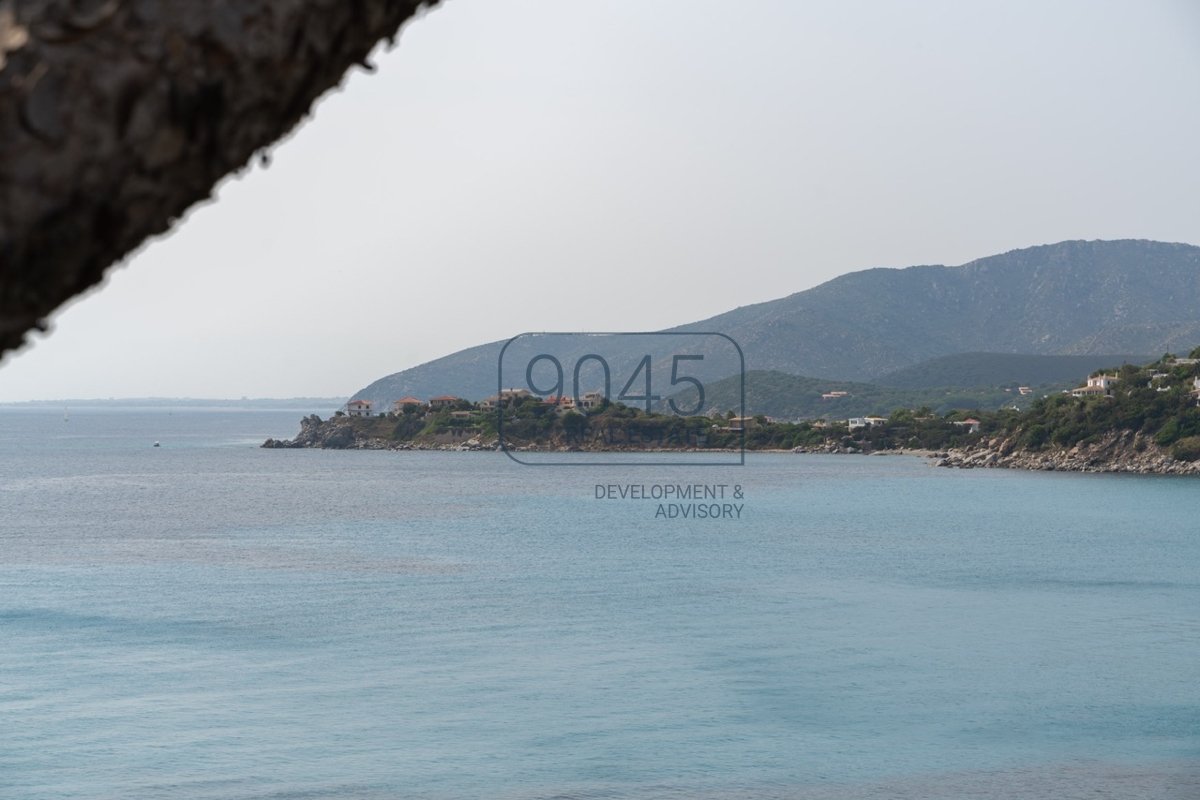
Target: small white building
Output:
{"points": [[591, 400], [359, 408]]}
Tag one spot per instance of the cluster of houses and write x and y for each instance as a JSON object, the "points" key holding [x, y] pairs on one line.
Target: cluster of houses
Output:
{"points": [[970, 425], [366, 408], [1102, 385], [1096, 386], [561, 403]]}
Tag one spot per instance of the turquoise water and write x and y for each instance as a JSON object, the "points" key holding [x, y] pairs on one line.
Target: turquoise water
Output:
{"points": [[212, 620]]}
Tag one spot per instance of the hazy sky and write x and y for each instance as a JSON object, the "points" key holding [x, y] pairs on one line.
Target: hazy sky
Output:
{"points": [[566, 165]]}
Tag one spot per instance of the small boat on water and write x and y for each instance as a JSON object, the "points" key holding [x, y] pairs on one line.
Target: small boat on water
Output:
{"points": [[156, 444]]}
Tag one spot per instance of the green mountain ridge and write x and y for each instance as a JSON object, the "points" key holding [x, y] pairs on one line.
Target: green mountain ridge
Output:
{"points": [[974, 370], [1073, 298]]}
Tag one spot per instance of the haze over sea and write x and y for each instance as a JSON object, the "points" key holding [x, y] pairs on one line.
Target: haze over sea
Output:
{"points": [[208, 619]]}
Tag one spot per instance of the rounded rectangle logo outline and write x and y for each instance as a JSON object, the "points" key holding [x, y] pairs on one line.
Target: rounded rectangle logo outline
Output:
{"points": [[741, 451]]}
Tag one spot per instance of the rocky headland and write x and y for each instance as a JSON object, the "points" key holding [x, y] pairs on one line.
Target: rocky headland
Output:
{"points": [[341, 433]]}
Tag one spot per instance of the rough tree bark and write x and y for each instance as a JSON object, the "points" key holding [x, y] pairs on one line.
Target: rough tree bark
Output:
{"points": [[115, 117]]}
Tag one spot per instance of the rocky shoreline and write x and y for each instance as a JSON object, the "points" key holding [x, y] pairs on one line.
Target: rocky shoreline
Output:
{"points": [[1117, 452]]}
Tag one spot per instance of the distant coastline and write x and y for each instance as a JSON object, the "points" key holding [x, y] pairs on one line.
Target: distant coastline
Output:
{"points": [[1126, 419], [1118, 452]]}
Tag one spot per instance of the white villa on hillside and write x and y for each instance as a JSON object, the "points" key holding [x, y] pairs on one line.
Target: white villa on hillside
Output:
{"points": [[359, 408], [591, 400], [1097, 385]]}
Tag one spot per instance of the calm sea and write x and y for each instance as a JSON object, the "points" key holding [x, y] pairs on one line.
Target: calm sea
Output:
{"points": [[207, 619]]}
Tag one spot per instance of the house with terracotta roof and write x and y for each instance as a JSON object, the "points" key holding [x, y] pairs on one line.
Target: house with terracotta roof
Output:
{"points": [[398, 406], [562, 403], [443, 401]]}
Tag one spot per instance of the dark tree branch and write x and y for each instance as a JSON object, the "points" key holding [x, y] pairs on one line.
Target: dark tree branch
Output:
{"points": [[116, 117]]}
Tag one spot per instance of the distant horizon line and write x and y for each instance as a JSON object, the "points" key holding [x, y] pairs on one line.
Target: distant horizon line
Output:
{"points": [[149, 399]]}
